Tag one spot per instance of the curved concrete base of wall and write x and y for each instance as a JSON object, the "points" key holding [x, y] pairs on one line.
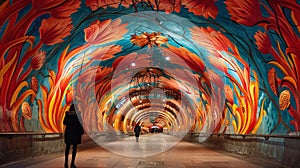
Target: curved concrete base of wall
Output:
{"points": [[282, 150]]}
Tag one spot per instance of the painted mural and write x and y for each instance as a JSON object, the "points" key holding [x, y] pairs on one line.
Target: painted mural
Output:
{"points": [[245, 76]]}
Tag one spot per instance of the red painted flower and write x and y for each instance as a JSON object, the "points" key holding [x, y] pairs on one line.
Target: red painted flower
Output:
{"points": [[104, 32], [244, 11], [52, 30], [206, 8], [38, 60], [263, 42], [66, 9]]}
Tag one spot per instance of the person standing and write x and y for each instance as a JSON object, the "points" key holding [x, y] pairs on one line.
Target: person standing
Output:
{"points": [[137, 130], [72, 135]]}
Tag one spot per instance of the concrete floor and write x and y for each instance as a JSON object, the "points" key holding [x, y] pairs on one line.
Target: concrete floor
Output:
{"points": [[152, 151]]}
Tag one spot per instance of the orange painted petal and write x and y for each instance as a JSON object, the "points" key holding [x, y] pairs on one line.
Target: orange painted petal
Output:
{"points": [[279, 66], [290, 80], [51, 114], [5, 68], [62, 60], [41, 119], [17, 91], [262, 113], [22, 98], [296, 19]]}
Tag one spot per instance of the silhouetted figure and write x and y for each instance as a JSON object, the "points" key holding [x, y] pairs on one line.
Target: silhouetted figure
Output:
{"points": [[137, 130], [73, 133]]}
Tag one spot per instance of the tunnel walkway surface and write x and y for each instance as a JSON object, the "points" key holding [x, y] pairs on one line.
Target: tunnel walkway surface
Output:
{"points": [[181, 155]]}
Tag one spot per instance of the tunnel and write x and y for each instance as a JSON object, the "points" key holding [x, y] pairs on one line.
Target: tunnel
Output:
{"points": [[218, 73]]}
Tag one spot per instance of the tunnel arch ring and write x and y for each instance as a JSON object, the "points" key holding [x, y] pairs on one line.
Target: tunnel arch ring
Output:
{"points": [[144, 19]]}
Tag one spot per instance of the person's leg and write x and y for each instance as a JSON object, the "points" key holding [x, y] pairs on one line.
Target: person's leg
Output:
{"points": [[67, 154], [74, 155]]}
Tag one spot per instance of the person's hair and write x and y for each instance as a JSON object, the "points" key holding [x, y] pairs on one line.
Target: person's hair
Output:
{"points": [[72, 107]]}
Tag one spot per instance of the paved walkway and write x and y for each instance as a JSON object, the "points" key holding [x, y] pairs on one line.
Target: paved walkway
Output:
{"points": [[152, 151]]}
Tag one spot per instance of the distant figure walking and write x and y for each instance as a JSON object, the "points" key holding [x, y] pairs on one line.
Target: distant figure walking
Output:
{"points": [[73, 133], [137, 130]]}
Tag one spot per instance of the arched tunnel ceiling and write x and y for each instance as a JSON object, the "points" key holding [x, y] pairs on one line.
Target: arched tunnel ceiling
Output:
{"points": [[183, 65]]}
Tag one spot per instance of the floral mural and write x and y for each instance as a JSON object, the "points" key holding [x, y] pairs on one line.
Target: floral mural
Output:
{"points": [[234, 67]]}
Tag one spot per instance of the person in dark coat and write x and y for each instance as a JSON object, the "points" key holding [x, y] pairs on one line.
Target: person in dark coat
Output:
{"points": [[73, 133], [137, 130]]}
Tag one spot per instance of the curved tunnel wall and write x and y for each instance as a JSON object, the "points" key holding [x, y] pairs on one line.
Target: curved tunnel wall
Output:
{"points": [[244, 68]]}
